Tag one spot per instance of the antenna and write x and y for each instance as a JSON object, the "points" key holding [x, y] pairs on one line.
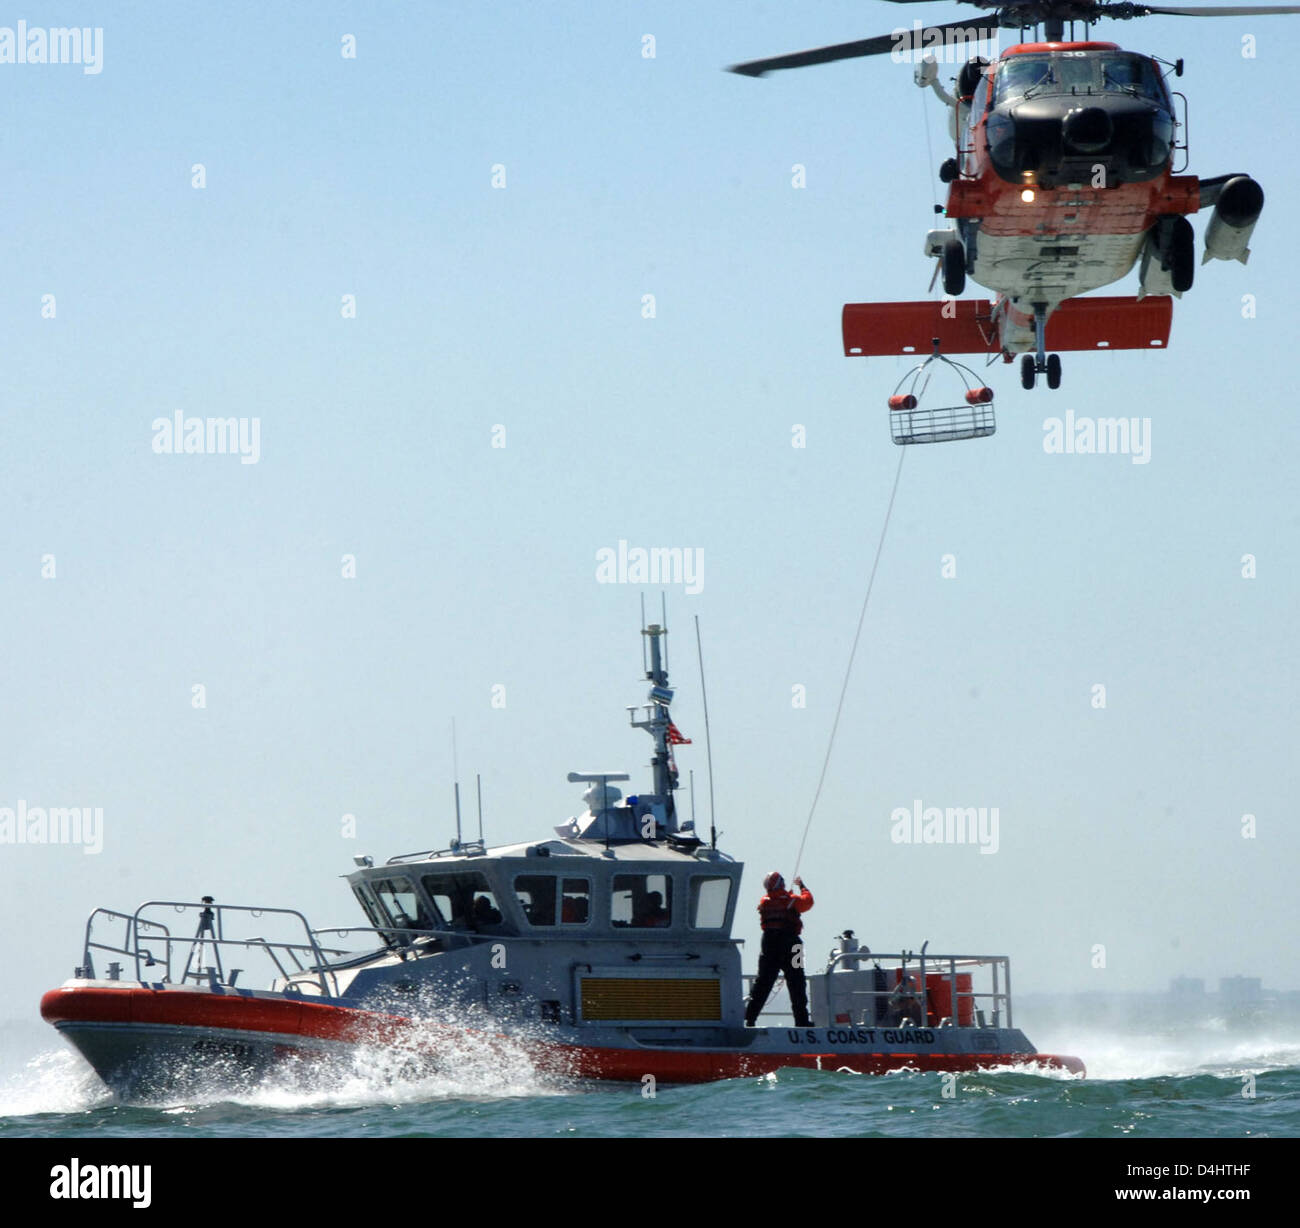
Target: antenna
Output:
{"points": [[692, 776], [455, 775], [663, 606], [645, 667], [708, 741], [478, 781]]}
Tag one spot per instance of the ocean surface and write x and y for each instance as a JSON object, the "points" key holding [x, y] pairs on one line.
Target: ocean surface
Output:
{"points": [[1212, 1080]]}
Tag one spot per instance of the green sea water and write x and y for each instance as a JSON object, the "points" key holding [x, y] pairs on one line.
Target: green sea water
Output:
{"points": [[1211, 1083]]}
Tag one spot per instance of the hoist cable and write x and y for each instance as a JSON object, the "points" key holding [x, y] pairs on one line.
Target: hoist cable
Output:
{"points": [[848, 672]]}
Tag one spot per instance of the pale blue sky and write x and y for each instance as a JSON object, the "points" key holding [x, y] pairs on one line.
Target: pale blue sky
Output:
{"points": [[476, 566]]}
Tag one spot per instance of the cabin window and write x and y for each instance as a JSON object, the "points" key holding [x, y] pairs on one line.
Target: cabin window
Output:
{"points": [[537, 897], [709, 900], [980, 102], [398, 898], [642, 900], [465, 901], [484, 913], [575, 901], [372, 913]]}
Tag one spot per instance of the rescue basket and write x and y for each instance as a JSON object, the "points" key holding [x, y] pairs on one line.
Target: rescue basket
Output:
{"points": [[912, 421]]}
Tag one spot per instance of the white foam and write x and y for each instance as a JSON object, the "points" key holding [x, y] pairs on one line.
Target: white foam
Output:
{"points": [[1217, 1051], [471, 1064], [56, 1081], [458, 1063], [468, 1067]]}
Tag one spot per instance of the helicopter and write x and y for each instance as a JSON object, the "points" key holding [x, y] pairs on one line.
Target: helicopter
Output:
{"points": [[1062, 181]]}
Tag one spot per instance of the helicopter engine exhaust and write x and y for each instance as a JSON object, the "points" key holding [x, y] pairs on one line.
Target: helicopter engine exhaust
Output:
{"points": [[1236, 211]]}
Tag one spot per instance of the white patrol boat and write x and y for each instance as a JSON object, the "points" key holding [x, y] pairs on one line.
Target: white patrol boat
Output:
{"points": [[603, 951]]}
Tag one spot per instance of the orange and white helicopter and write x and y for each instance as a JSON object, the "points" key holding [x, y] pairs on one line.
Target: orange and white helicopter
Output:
{"points": [[1063, 180]]}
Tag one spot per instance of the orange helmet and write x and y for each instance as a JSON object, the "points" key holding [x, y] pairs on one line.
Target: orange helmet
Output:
{"points": [[773, 882]]}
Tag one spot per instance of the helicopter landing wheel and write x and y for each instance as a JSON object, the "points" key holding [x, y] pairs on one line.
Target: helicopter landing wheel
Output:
{"points": [[954, 268], [1028, 371], [1053, 370]]}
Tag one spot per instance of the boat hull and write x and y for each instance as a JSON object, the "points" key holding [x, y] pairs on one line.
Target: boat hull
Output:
{"points": [[156, 1041], [148, 1043]]}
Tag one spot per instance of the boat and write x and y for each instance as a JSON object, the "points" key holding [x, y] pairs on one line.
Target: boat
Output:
{"points": [[602, 951]]}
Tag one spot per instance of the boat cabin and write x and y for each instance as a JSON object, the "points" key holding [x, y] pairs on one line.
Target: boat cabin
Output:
{"points": [[557, 889], [570, 930]]}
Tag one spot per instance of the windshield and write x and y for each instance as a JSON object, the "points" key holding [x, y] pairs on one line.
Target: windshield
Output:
{"points": [[1076, 72], [1132, 74], [1020, 74]]}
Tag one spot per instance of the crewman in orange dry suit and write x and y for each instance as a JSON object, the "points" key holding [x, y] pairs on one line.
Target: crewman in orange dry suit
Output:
{"points": [[782, 951]]}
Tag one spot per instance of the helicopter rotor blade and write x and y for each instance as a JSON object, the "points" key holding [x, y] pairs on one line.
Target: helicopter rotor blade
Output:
{"points": [[900, 41], [1223, 10], [1026, 13], [1032, 12]]}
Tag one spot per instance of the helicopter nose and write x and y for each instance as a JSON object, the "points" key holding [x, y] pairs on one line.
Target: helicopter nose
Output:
{"points": [[1087, 129]]}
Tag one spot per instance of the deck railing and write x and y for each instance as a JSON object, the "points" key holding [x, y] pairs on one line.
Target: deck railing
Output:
{"points": [[308, 958], [841, 992], [155, 953], [927, 968]]}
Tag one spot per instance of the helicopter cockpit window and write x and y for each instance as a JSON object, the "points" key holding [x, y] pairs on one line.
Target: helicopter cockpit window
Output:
{"points": [[1020, 74], [1131, 74], [1072, 74]]}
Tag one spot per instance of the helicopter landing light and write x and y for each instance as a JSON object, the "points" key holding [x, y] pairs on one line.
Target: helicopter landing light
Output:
{"points": [[1027, 196]]}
